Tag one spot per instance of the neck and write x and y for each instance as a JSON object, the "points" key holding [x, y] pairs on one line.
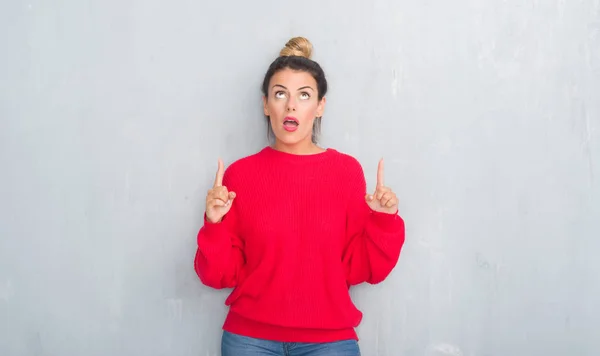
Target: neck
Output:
{"points": [[300, 148]]}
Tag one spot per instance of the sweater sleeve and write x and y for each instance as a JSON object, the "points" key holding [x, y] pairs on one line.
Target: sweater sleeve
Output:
{"points": [[220, 253], [373, 239]]}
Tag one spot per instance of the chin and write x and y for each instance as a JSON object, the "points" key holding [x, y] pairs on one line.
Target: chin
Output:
{"points": [[290, 140]]}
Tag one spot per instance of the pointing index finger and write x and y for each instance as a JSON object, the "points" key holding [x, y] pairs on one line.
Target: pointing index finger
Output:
{"points": [[219, 175], [380, 173]]}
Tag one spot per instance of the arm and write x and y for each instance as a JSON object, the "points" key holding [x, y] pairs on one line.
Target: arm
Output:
{"points": [[373, 239], [220, 254]]}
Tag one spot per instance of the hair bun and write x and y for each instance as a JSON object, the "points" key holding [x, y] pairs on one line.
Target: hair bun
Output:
{"points": [[297, 46]]}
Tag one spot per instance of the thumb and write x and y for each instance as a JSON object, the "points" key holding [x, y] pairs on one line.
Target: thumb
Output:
{"points": [[230, 197]]}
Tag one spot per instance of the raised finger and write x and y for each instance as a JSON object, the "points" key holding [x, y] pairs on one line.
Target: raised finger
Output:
{"points": [[219, 175], [380, 173]]}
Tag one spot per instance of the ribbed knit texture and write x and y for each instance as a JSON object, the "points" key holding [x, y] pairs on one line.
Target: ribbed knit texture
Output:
{"points": [[298, 235]]}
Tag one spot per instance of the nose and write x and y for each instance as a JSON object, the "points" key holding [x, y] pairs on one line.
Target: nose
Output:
{"points": [[291, 105]]}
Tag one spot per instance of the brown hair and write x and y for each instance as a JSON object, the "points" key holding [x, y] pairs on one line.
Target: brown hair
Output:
{"points": [[297, 46]]}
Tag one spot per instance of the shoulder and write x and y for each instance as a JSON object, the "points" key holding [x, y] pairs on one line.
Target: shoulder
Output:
{"points": [[241, 167], [348, 162], [350, 169]]}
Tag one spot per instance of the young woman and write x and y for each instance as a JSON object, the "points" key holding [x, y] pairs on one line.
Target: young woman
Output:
{"points": [[292, 227]]}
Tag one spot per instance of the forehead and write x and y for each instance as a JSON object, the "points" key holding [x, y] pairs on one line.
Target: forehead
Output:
{"points": [[293, 79]]}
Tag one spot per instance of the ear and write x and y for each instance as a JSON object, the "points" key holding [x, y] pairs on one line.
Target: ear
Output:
{"points": [[321, 107], [265, 108]]}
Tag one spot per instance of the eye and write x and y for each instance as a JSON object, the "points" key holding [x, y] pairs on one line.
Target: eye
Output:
{"points": [[304, 95], [280, 94]]}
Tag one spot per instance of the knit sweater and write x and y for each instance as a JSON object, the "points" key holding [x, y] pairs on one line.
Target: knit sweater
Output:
{"points": [[298, 235]]}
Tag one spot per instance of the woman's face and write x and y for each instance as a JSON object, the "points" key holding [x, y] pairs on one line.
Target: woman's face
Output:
{"points": [[292, 106]]}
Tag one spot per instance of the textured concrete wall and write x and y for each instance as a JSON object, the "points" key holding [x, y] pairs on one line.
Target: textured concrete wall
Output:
{"points": [[113, 114]]}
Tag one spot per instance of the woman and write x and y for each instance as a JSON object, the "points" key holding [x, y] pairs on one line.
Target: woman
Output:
{"points": [[291, 228]]}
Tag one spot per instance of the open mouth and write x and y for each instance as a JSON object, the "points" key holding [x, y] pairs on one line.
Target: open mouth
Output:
{"points": [[290, 121], [290, 124]]}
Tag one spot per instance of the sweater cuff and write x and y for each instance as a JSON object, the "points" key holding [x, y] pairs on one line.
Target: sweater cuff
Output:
{"points": [[210, 226], [387, 222], [212, 236]]}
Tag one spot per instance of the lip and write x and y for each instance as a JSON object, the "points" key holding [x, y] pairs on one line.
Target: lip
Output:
{"points": [[290, 128], [291, 118]]}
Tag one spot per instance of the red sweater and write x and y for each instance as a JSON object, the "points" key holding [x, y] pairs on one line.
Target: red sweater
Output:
{"points": [[298, 235]]}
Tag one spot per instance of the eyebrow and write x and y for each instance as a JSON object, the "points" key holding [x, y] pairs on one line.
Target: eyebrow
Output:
{"points": [[304, 87]]}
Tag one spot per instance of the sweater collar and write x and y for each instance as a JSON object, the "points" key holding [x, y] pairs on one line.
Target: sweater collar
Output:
{"points": [[291, 157]]}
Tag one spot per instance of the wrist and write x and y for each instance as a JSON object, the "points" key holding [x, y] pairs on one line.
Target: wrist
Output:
{"points": [[207, 219]]}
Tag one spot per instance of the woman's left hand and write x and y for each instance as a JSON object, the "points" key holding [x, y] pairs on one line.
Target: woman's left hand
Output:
{"points": [[383, 200]]}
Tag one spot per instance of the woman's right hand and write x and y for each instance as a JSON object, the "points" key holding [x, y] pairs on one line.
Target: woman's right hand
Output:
{"points": [[218, 199]]}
